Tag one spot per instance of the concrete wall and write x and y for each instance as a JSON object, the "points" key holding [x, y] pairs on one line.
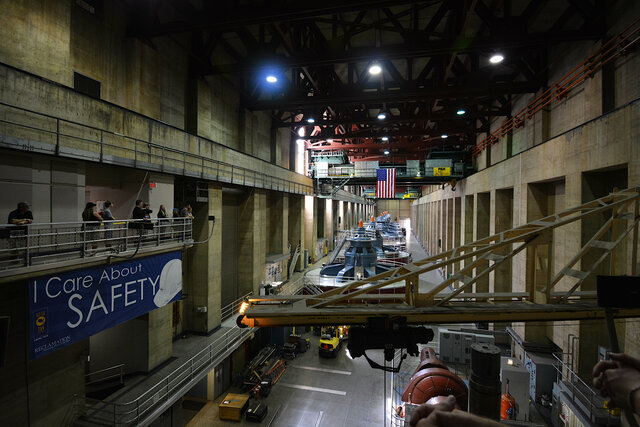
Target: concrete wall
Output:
{"points": [[57, 39], [123, 186], [36, 392], [125, 343], [41, 181], [544, 179], [400, 209], [585, 102]]}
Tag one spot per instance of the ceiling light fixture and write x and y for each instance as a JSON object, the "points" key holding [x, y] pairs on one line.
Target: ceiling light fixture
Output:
{"points": [[496, 58], [444, 136], [385, 138], [461, 112], [271, 78], [382, 115], [311, 120], [386, 152], [375, 69]]}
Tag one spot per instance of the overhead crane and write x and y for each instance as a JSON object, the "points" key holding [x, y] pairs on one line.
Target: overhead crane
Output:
{"points": [[552, 298]]}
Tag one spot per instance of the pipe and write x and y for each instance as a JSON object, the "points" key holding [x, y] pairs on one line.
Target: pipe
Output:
{"points": [[586, 69], [484, 384]]}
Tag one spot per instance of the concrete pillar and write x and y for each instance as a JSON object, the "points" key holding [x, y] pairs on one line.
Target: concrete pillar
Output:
{"points": [[503, 220], [278, 224], [596, 185], [252, 242], [203, 275], [483, 209], [457, 224], [449, 227], [328, 222], [296, 225], [311, 226], [36, 392]]}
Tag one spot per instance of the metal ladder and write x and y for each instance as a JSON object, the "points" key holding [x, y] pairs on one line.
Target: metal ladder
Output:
{"points": [[294, 260], [336, 251]]}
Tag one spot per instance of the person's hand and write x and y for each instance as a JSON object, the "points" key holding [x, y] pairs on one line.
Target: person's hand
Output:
{"points": [[444, 415], [615, 378]]}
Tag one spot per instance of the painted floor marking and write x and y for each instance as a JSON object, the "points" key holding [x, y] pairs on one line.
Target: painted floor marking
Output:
{"points": [[313, 368], [306, 387]]}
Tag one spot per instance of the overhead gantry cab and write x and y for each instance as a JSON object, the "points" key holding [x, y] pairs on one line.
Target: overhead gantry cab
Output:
{"points": [[453, 301]]}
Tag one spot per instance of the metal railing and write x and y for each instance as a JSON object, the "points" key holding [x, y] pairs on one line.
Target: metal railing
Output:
{"points": [[232, 308], [343, 171], [39, 244], [32, 131], [144, 408], [290, 287], [581, 394], [116, 371]]}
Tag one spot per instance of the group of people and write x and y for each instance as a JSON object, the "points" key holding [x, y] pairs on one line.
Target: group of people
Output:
{"points": [[140, 211], [22, 215]]}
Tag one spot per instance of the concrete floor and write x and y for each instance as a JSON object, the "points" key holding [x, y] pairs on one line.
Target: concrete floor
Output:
{"points": [[316, 391]]}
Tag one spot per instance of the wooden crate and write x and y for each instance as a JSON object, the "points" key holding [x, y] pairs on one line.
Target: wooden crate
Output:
{"points": [[232, 406]]}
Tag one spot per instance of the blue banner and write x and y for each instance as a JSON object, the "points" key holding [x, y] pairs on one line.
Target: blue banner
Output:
{"points": [[70, 307]]}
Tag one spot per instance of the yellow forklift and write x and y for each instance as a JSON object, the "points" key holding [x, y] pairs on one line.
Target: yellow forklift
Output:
{"points": [[331, 339]]}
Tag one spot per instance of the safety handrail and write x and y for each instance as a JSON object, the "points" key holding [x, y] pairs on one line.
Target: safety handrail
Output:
{"points": [[572, 378], [139, 409], [120, 374], [232, 308], [616, 46], [152, 149], [42, 244]]}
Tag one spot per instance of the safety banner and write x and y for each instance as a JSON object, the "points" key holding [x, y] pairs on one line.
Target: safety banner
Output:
{"points": [[69, 307]]}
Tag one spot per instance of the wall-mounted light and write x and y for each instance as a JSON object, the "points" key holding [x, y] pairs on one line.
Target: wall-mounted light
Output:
{"points": [[461, 112], [382, 115], [271, 79], [444, 136], [386, 152], [311, 120], [385, 138]]}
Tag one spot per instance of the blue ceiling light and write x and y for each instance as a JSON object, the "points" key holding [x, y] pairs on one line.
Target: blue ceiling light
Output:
{"points": [[271, 79]]}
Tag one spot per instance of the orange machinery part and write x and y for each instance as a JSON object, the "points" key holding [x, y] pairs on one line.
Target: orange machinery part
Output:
{"points": [[507, 406], [432, 382]]}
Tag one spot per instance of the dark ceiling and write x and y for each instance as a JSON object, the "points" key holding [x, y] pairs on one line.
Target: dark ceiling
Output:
{"points": [[434, 56]]}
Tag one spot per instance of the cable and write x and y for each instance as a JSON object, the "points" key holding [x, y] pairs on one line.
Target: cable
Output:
{"points": [[213, 220], [133, 254]]}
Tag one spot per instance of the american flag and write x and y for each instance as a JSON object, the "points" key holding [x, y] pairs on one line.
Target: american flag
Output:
{"points": [[386, 188]]}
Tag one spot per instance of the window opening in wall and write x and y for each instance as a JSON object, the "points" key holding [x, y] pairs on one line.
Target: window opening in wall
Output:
{"points": [[86, 85]]}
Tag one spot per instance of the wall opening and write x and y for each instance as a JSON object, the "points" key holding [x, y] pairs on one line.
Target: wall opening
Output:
{"points": [[483, 217]]}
